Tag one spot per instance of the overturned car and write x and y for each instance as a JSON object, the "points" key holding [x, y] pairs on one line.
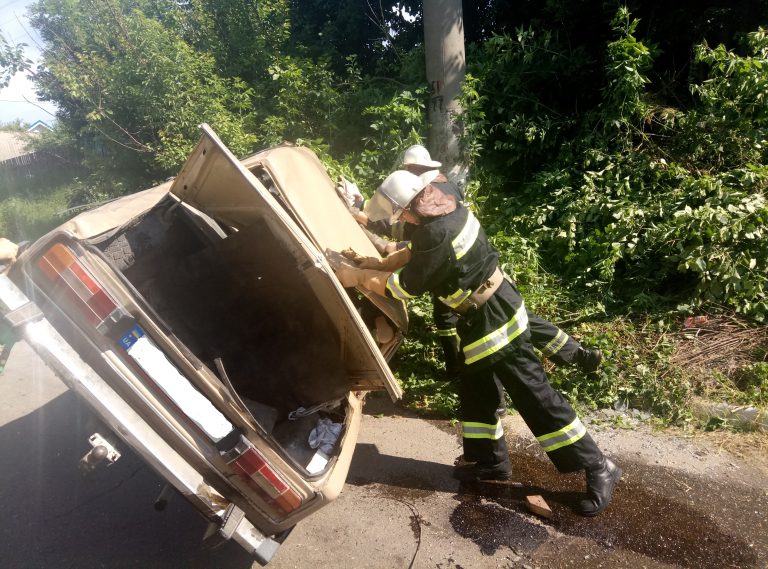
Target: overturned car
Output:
{"points": [[202, 322]]}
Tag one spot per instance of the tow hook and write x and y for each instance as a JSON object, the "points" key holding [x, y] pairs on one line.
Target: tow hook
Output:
{"points": [[102, 450]]}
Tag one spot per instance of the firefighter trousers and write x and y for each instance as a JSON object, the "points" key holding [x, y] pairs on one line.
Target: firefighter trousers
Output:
{"points": [[551, 341], [547, 413]]}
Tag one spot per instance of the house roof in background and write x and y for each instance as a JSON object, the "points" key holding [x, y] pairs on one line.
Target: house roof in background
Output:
{"points": [[13, 145], [39, 126]]}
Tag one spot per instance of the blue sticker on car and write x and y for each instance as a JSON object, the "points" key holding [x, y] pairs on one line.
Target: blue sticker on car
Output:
{"points": [[130, 337]]}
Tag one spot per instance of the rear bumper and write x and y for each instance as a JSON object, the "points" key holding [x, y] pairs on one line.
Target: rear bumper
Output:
{"points": [[21, 314]]}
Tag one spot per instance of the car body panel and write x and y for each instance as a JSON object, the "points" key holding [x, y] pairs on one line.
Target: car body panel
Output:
{"points": [[215, 182], [124, 421], [114, 213], [93, 364]]}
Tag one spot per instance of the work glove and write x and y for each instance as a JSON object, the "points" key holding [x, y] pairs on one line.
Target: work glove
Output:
{"points": [[390, 263], [362, 261], [369, 279], [353, 277], [350, 275], [350, 193]]}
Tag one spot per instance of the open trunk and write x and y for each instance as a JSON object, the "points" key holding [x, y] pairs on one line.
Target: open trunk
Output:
{"points": [[244, 298], [240, 282]]}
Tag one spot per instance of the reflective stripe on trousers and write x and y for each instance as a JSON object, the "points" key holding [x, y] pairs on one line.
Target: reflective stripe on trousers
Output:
{"points": [[499, 338], [482, 430], [447, 332], [555, 345], [563, 437]]}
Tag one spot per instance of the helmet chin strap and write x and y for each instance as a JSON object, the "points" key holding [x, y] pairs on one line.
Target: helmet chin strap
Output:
{"points": [[410, 217]]}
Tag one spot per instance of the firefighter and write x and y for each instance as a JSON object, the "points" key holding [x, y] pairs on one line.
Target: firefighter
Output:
{"points": [[416, 159], [552, 342], [449, 255]]}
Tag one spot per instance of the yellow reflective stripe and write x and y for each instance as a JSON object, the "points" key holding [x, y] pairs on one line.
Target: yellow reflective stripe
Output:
{"points": [[563, 437], [447, 332], [556, 344], [393, 285], [496, 340], [482, 430], [467, 237], [456, 298]]}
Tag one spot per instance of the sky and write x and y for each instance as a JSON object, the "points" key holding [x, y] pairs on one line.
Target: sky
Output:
{"points": [[16, 29]]}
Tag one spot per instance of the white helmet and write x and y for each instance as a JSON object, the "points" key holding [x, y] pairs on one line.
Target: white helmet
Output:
{"points": [[395, 193], [418, 155]]}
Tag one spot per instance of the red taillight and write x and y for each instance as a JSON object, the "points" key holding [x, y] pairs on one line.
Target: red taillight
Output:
{"points": [[253, 467], [62, 267]]}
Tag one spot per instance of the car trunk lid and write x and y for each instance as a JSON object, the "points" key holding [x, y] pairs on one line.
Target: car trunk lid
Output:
{"points": [[309, 194], [215, 182]]}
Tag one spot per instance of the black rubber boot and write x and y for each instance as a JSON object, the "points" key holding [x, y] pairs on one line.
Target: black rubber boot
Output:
{"points": [[588, 359], [478, 472], [600, 484]]}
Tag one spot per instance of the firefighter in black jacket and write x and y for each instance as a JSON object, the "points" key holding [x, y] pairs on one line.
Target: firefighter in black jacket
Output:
{"points": [[551, 341], [449, 255]]}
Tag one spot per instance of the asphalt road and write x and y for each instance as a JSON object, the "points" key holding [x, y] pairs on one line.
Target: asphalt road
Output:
{"points": [[681, 503]]}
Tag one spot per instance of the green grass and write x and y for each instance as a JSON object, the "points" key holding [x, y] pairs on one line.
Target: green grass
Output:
{"points": [[26, 219], [638, 371]]}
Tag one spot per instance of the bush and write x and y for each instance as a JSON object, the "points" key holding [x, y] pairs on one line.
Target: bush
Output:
{"points": [[27, 219], [650, 206]]}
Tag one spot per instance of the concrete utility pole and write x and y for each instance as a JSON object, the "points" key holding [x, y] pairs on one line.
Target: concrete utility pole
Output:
{"points": [[444, 47]]}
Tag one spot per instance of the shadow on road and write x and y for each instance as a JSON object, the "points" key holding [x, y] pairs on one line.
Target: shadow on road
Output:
{"points": [[54, 518]]}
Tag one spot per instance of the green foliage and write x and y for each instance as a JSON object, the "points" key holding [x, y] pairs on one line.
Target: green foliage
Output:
{"points": [[636, 369], [747, 385], [246, 37], [627, 64], [135, 87], [27, 219], [474, 126], [307, 103], [752, 381], [657, 211], [12, 60], [376, 35], [728, 129], [394, 125], [510, 109], [16, 125]]}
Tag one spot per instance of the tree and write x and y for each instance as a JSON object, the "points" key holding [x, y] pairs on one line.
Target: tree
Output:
{"points": [[132, 88], [376, 34], [12, 60], [444, 48]]}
